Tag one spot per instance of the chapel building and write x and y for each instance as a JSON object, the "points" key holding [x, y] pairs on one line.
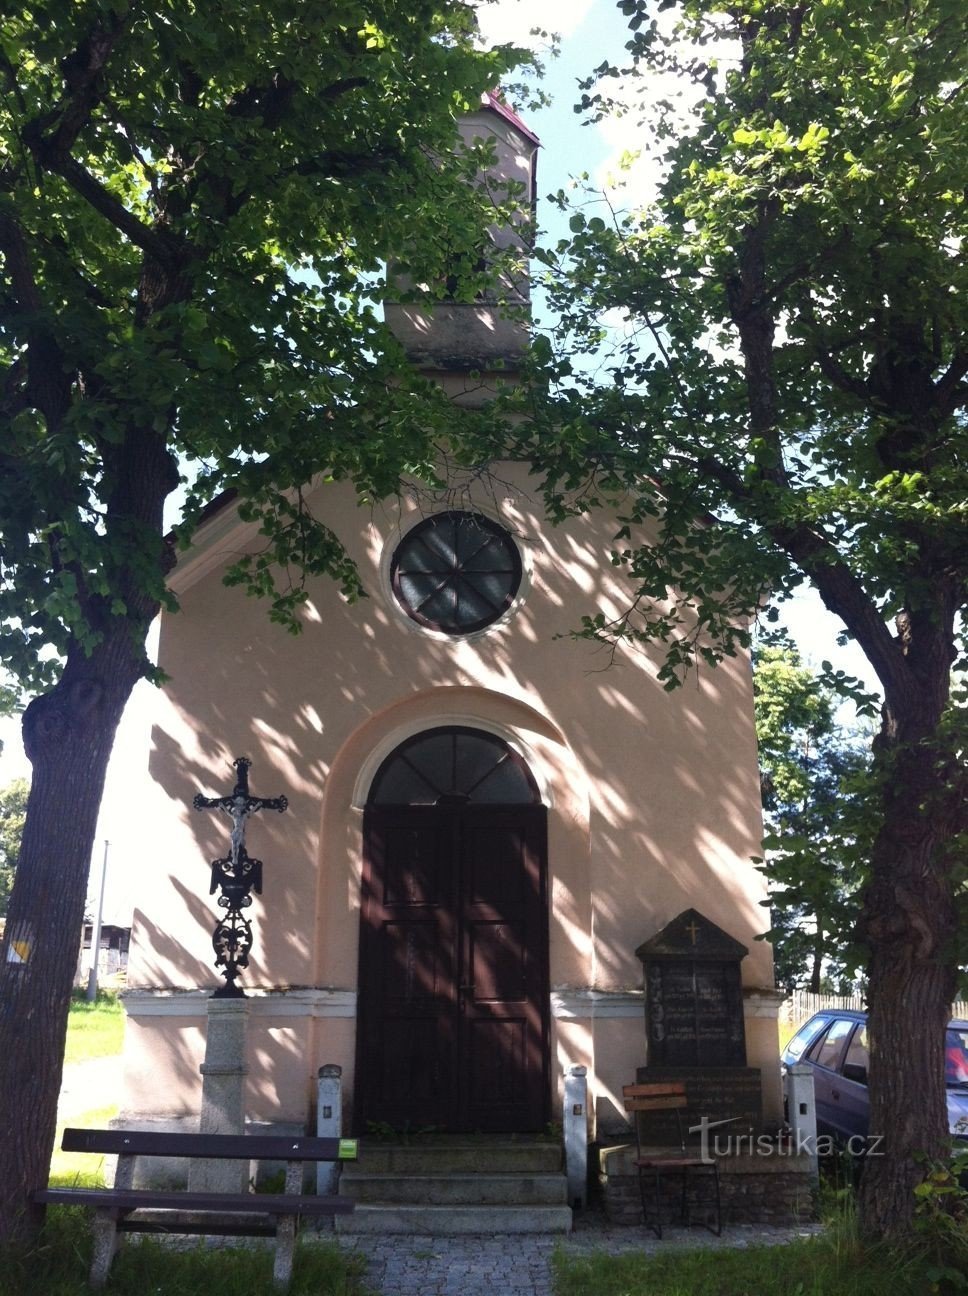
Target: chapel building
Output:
{"points": [[486, 818]]}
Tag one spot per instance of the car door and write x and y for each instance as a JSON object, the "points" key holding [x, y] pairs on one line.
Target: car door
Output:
{"points": [[849, 1094], [825, 1056]]}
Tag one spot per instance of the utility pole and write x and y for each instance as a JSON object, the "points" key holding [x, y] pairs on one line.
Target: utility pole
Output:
{"points": [[91, 995]]}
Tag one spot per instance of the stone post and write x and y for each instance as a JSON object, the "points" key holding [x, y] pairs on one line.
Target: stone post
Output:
{"points": [[223, 1094], [802, 1111], [576, 1134], [329, 1124]]}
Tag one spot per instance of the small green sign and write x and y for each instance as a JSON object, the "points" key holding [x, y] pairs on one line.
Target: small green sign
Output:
{"points": [[347, 1149]]}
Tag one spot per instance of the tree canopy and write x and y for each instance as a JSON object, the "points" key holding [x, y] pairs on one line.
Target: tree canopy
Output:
{"points": [[195, 208], [788, 360], [191, 215]]}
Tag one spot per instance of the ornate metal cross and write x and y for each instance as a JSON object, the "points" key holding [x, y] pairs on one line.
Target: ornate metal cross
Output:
{"points": [[237, 875]]}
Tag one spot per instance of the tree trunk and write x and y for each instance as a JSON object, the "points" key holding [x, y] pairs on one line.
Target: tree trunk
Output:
{"points": [[817, 968], [909, 924], [68, 735]]}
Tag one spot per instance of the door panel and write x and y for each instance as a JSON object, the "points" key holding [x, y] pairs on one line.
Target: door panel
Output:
{"points": [[503, 929], [406, 1027], [453, 1008], [415, 1070], [414, 868], [496, 1060], [497, 962]]}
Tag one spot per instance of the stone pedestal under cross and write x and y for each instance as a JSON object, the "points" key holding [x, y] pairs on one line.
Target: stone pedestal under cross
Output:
{"points": [[223, 1094], [224, 1069]]}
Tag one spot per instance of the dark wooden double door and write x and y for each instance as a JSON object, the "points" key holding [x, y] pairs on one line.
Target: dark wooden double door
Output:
{"points": [[453, 985]]}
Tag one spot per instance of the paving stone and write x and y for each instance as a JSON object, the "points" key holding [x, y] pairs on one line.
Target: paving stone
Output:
{"points": [[485, 1265]]}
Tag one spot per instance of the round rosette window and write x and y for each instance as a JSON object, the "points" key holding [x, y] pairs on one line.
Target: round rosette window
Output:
{"points": [[456, 572]]}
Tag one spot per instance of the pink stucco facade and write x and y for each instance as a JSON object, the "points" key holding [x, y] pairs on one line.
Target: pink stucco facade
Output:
{"points": [[652, 799]]}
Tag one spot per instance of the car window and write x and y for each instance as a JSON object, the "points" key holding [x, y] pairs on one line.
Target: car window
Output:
{"points": [[827, 1053], [956, 1056], [804, 1038], [858, 1054]]}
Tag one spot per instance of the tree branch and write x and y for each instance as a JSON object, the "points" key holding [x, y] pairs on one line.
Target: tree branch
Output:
{"points": [[344, 165], [81, 70], [162, 245], [844, 595], [840, 590], [48, 385], [951, 392], [13, 384], [268, 102], [748, 307], [838, 375]]}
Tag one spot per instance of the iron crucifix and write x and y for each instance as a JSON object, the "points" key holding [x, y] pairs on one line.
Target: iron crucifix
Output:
{"points": [[238, 805], [236, 876]]}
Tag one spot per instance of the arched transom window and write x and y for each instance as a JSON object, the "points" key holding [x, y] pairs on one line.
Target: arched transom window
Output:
{"points": [[453, 765]]}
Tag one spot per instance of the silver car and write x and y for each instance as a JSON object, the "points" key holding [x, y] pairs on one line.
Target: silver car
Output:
{"points": [[834, 1045]]}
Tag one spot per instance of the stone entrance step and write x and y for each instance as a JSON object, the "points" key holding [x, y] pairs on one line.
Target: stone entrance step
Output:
{"points": [[456, 1189], [449, 1221], [453, 1186], [458, 1156]]}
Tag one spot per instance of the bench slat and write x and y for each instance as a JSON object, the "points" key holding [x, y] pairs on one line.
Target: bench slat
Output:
{"points": [[244, 1203], [244, 1147], [207, 1227]]}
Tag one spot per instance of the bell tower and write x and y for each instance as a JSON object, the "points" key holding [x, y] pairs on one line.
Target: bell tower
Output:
{"points": [[473, 348]]}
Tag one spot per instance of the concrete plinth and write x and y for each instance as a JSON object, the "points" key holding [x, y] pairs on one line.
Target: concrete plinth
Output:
{"points": [[223, 1094]]}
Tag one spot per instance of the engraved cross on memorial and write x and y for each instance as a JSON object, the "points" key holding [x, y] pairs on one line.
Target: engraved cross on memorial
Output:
{"points": [[236, 875]]}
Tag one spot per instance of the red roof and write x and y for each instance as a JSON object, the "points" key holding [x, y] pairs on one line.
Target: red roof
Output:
{"points": [[492, 99]]}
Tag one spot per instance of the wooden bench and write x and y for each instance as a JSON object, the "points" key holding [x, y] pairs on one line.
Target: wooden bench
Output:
{"points": [[122, 1209]]}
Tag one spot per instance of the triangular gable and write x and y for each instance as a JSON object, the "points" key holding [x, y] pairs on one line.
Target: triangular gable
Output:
{"points": [[491, 99], [691, 936]]}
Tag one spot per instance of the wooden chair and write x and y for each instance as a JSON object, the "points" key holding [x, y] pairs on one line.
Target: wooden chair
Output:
{"points": [[655, 1164]]}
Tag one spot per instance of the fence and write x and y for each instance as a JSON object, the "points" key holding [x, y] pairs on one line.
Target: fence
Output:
{"points": [[800, 1005]]}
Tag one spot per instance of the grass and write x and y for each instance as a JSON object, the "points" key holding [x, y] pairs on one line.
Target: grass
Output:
{"points": [[834, 1263], [821, 1266], [94, 1030], [58, 1264], [786, 1032], [68, 1169]]}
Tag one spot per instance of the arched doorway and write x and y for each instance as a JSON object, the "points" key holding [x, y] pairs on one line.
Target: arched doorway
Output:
{"points": [[453, 1019]]}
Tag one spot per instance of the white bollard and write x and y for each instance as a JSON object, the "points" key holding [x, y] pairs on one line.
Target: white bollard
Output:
{"points": [[576, 1134], [329, 1124], [802, 1110]]}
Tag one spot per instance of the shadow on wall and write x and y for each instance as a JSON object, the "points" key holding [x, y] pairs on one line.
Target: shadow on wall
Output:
{"points": [[672, 777], [280, 1086]]}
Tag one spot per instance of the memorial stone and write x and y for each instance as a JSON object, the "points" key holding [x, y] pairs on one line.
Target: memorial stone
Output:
{"points": [[693, 995]]}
